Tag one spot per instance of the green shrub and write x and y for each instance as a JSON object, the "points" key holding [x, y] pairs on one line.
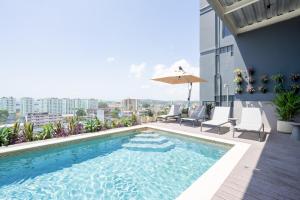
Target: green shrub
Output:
{"points": [[4, 136], [107, 124], [91, 126], [287, 105], [28, 131], [15, 130], [99, 124], [46, 133]]}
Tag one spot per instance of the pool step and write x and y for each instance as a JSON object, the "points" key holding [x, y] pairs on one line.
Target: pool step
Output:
{"points": [[149, 140], [148, 135], [149, 147]]}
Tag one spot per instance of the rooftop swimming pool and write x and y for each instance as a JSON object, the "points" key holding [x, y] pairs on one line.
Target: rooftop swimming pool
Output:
{"points": [[132, 165]]}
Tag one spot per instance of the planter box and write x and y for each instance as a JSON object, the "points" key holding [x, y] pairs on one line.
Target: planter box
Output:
{"points": [[284, 126]]}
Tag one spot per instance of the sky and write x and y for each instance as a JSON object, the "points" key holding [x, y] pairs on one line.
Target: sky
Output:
{"points": [[105, 49]]}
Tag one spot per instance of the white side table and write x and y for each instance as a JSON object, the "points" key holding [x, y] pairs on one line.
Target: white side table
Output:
{"points": [[295, 131]]}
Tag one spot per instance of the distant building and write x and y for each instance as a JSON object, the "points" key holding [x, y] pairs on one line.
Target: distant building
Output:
{"points": [[40, 119], [129, 105], [92, 104], [80, 104], [50, 105], [114, 105], [68, 106], [100, 114], [126, 113], [26, 105], [9, 104]]}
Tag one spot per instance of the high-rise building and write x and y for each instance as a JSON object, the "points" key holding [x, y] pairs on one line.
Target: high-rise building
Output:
{"points": [[130, 105], [80, 104], [68, 106], [26, 105], [50, 105], [9, 104]]}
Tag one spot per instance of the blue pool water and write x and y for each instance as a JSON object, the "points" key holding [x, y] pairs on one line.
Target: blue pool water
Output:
{"points": [[107, 169]]}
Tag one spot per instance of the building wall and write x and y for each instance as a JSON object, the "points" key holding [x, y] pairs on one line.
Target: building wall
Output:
{"points": [[93, 104], [27, 105], [216, 55], [50, 105], [270, 50], [130, 105], [68, 106], [9, 104]]}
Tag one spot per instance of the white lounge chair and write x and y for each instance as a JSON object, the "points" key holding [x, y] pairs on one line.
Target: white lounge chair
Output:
{"points": [[220, 117], [251, 120], [174, 113], [198, 115]]}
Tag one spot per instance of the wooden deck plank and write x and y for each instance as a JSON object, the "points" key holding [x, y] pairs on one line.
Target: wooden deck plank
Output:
{"points": [[269, 169]]}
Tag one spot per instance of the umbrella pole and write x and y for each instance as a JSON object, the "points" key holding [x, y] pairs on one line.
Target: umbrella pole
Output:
{"points": [[190, 85]]}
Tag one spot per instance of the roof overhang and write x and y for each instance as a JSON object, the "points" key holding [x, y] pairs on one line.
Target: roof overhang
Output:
{"points": [[241, 16]]}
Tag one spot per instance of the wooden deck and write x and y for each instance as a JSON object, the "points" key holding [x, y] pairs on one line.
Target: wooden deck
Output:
{"points": [[269, 169]]}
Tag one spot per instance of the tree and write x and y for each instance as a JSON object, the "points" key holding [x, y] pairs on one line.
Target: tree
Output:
{"points": [[146, 105], [3, 116], [80, 113], [149, 113], [102, 104], [115, 113]]}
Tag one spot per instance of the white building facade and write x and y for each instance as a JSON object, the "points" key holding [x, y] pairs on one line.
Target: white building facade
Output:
{"points": [[129, 105], [80, 104], [9, 104], [50, 105], [68, 106], [40, 119], [92, 104], [26, 105]]}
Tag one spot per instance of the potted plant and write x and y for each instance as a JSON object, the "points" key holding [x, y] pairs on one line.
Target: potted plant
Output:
{"points": [[295, 88], [264, 78], [250, 70], [239, 90], [295, 77], [287, 107], [278, 78], [238, 80], [263, 89], [250, 89], [251, 80], [238, 72], [278, 87]]}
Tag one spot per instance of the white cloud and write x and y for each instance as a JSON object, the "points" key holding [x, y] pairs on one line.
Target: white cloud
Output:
{"points": [[137, 70], [110, 59], [160, 70]]}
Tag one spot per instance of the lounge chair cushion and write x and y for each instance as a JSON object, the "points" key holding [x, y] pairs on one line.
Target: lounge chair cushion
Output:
{"points": [[215, 122], [249, 127], [250, 120], [221, 113]]}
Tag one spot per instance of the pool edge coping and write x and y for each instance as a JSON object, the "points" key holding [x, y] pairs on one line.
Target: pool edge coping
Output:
{"points": [[203, 188]]}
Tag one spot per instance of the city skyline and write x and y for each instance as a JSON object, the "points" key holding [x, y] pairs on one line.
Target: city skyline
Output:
{"points": [[51, 51]]}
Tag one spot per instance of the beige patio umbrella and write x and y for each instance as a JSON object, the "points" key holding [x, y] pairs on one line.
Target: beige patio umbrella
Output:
{"points": [[181, 77]]}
